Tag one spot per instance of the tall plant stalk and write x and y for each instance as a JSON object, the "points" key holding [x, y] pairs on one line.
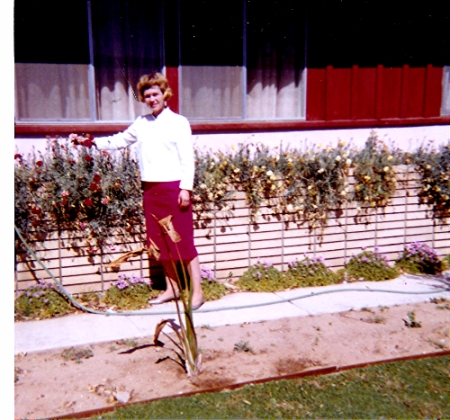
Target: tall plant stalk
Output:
{"points": [[188, 355]]}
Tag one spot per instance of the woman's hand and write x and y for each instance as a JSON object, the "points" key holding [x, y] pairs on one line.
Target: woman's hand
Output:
{"points": [[87, 141], [184, 199]]}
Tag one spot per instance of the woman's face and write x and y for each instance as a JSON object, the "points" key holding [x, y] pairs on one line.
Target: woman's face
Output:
{"points": [[154, 99]]}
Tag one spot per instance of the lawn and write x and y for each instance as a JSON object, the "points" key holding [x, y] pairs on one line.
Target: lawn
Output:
{"points": [[408, 389]]}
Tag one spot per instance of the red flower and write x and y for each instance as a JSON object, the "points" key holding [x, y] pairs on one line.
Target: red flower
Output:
{"points": [[88, 158], [94, 187], [97, 178], [64, 202], [39, 163], [36, 210], [18, 156], [88, 143], [88, 202]]}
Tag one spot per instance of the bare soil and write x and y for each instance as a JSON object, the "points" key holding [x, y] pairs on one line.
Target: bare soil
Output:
{"points": [[60, 382]]}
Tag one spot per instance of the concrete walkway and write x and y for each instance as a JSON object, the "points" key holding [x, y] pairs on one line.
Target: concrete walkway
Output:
{"points": [[236, 308]]}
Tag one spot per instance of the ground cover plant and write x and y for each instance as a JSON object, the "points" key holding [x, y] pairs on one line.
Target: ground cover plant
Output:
{"points": [[370, 265], [264, 277], [129, 292], [311, 271], [408, 389], [41, 301], [212, 289], [418, 258]]}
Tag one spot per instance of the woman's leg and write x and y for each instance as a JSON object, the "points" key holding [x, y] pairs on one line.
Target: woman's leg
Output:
{"points": [[197, 292], [172, 290]]}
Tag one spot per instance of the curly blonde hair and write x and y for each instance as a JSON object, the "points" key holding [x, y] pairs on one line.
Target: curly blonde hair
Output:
{"points": [[154, 79]]}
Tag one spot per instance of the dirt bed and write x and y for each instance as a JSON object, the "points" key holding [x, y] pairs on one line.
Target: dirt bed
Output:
{"points": [[65, 381]]}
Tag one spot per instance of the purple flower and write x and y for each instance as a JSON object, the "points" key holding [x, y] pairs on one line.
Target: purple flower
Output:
{"points": [[293, 263], [125, 281], [266, 264], [206, 273], [319, 259]]}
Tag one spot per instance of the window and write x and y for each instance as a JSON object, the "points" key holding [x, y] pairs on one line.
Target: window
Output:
{"points": [[52, 61], [242, 61], [81, 60]]}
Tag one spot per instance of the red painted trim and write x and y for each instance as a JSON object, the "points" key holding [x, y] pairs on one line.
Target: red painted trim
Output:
{"points": [[64, 129], [391, 92], [379, 92], [404, 91], [366, 84], [338, 93], [413, 91], [172, 77], [433, 91], [315, 97]]}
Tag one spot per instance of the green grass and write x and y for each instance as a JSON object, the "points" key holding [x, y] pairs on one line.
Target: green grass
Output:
{"points": [[411, 389]]}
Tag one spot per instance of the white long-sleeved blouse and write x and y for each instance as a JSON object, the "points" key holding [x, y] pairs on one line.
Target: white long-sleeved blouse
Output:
{"points": [[164, 147]]}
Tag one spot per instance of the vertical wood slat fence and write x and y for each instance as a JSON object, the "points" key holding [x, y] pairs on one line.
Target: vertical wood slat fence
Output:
{"points": [[228, 244]]}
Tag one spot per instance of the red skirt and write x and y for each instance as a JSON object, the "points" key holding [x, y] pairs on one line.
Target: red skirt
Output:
{"points": [[161, 201]]}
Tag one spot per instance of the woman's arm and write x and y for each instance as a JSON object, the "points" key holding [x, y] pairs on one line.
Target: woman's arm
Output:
{"points": [[186, 155], [118, 141]]}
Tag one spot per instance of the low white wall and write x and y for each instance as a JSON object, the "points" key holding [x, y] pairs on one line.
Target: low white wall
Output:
{"points": [[405, 138], [230, 244]]}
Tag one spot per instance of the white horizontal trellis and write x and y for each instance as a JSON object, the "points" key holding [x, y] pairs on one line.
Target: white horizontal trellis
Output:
{"points": [[229, 243]]}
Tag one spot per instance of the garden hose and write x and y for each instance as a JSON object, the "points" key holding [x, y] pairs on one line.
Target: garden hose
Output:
{"points": [[79, 305]]}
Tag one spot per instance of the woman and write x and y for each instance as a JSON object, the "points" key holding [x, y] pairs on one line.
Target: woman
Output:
{"points": [[166, 163]]}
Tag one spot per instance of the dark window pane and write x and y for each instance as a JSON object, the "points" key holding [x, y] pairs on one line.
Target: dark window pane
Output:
{"points": [[51, 32], [211, 32], [127, 44]]}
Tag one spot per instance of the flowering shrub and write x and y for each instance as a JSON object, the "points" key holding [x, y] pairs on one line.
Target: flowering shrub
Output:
{"points": [[263, 277], [317, 184], [375, 181], [418, 257], [129, 292], [212, 188], [80, 190], [311, 271], [95, 195], [371, 265], [41, 301], [434, 169]]}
